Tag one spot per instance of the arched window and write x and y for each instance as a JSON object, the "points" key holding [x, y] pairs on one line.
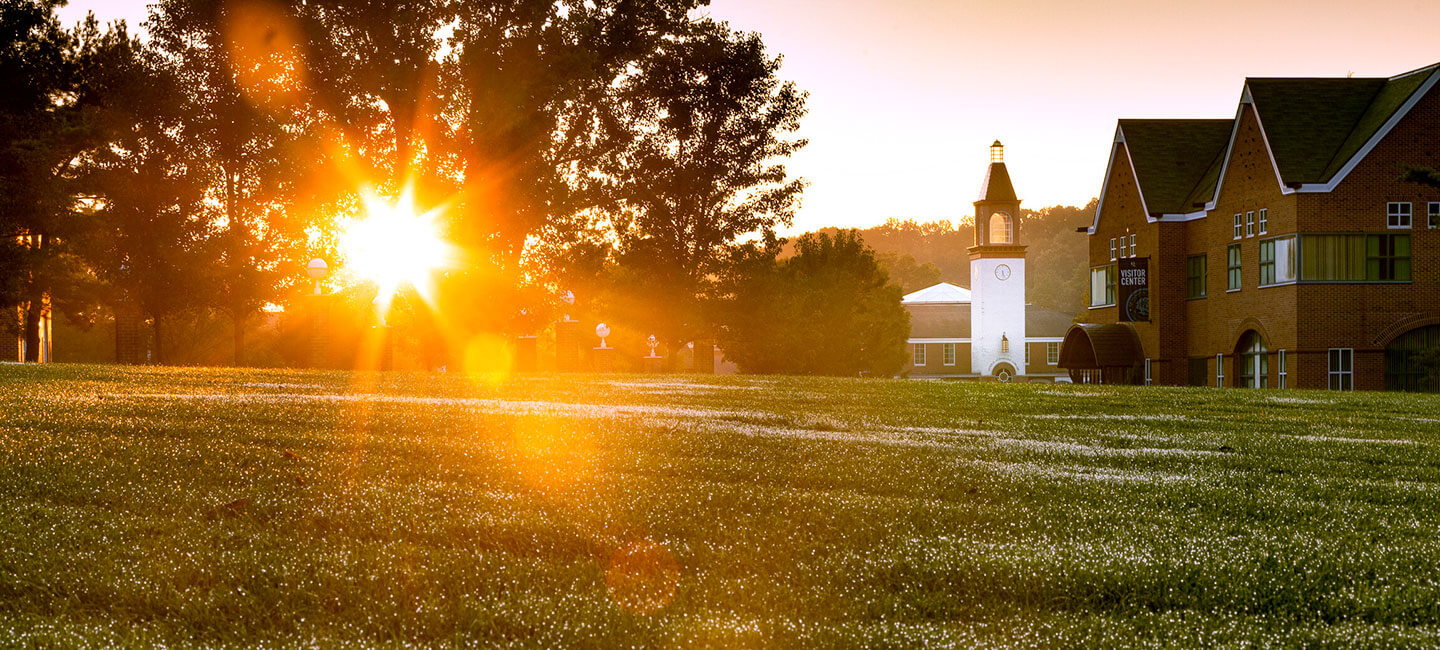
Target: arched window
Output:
{"points": [[1000, 230], [1253, 362], [1410, 361]]}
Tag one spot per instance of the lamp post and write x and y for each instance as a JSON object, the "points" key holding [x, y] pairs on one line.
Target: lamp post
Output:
{"points": [[318, 270], [568, 341], [652, 362], [604, 354]]}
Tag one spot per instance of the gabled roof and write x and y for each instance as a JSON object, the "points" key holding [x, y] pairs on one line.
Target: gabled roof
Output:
{"points": [[939, 294], [1175, 160], [997, 185], [1317, 130], [1306, 121]]}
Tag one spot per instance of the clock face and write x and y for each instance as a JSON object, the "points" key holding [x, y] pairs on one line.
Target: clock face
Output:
{"points": [[1002, 272]]}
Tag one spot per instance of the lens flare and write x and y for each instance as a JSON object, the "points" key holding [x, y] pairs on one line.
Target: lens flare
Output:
{"points": [[395, 245]]}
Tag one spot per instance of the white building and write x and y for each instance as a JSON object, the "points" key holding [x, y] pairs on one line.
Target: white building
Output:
{"points": [[987, 331]]}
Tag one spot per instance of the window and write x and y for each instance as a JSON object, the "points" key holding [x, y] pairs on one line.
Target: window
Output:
{"points": [[1397, 214], [1434, 215], [1387, 258], [1000, 229], [1112, 249], [947, 354], [1284, 370], [1232, 267], [1147, 372], [1253, 365], [1102, 286], [1250, 223], [1342, 369], [1027, 355], [1264, 221], [1332, 258], [1355, 258], [1239, 226], [1132, 244], [1195, 276], [1277, 261], [1052, 354], [1220, 371], [919, 354]]}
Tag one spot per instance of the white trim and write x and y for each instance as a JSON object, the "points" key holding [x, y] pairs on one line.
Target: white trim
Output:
{"points": [[936, 340], [1306, 188], [1408, 204], [1230, 148], [1105, 184], [1008, 362], [1283, 373], [1220, 370], [1385, 129], [948, 348], [1044, 339], [1330, 372]]}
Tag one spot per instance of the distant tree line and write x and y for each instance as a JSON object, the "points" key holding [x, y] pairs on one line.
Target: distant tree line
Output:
{"points": [[615, 148], [920, 254]]}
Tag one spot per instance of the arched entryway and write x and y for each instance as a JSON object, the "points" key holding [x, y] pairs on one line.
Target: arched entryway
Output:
{"points": [[1003, 372], [1252, 361], [1412, 360], [1108, 354]]}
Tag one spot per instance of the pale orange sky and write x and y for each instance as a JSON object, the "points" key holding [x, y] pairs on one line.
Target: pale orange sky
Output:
{"points": [[906, 95]]}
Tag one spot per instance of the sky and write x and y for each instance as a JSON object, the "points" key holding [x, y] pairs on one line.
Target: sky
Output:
{"points": [[907, 95]]}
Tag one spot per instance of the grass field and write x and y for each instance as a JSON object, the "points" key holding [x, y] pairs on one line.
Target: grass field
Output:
{"points": [[218, 507]]}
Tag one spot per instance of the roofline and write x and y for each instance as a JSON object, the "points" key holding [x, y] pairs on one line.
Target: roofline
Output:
{"points": [[1105, 184], [1350, 165], [1246, 98], [1374, 140]]}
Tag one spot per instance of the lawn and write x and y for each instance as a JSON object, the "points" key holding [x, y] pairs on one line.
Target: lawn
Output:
{"points": [[180, 506]]}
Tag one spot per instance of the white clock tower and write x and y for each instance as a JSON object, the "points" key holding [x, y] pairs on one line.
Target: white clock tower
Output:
{"points": [[997, 278]]}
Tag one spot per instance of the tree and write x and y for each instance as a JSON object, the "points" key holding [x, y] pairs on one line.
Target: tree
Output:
{"points": [[151, 237], [55, 86], [713, 125], [909, 274], [828, 310], [240, 70]]}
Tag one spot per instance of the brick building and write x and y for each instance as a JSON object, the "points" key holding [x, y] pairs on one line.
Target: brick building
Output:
{"points": [[1276, 249], [987, 331]]}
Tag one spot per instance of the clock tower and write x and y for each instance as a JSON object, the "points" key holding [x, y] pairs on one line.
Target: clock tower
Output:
{"points": [[997, 277]]}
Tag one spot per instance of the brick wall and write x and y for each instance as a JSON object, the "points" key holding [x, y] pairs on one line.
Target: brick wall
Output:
{"points": [[1305, 320]]}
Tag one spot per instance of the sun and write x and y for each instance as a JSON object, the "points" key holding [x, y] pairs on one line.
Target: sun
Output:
{"points": [[394, 245]]}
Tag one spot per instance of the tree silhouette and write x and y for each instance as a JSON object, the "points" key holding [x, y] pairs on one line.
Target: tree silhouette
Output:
{"points": [[714, 124], [828, 310], [240, 114]]}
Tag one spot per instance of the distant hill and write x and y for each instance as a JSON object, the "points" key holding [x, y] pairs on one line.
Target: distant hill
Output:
{"points": [[919, 254]]}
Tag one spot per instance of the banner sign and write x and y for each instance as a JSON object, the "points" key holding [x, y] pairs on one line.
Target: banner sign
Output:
{"points": [[1134, 289]]}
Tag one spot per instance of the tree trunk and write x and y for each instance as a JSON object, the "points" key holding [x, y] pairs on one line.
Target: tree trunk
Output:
{"points": [[33, 309], [159, 350], [238, 320]]}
